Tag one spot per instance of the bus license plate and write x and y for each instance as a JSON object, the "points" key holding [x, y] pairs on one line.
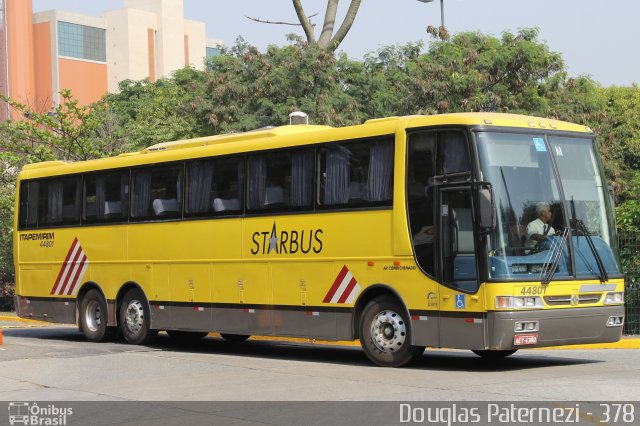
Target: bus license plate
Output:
{"points": [[525, 339]]}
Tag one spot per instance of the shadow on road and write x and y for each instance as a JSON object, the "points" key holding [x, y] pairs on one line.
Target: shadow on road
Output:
{"points": [[432, 359]]}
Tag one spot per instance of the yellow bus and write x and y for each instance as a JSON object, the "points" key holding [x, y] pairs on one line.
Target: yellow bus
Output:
{"points": [[481, 231]]}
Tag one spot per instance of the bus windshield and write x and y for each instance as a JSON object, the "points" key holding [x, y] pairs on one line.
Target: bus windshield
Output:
{"points": [[552, 218]]}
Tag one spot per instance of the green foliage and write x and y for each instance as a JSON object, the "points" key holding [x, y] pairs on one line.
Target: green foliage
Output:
{"points": [[69, 132], [148, 113], [468, 72], [628, 212], [247, 89]]}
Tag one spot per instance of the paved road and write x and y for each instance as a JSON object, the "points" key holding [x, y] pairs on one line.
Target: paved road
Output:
{"points": [[56, 363]]}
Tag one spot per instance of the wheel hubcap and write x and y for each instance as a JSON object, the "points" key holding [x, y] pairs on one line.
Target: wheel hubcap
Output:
{"points": [[93, 316], [135, 316], [388, 331]]}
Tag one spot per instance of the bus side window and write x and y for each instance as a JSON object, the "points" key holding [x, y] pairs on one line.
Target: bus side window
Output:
{"points": [[281, 180], [357, 173], [28, 214], [59, 202], [215, 187], [157, 193], [228, 186], [458, 251], [420, 197], [453, 156], [106, 196]]}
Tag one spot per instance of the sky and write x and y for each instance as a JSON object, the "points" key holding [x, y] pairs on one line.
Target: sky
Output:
{"points": [[598, 38]]}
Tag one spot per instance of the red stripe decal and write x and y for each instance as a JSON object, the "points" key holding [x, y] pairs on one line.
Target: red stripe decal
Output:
{"points": [[336, 284], [348, 290], [79, 273], [64, 264], [69, 279]]}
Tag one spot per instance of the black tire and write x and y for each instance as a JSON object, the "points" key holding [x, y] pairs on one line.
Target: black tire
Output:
{"points": [[186, 336], [494, 354], [93, 318], [385, 333], [234, 338], [135, 318]]}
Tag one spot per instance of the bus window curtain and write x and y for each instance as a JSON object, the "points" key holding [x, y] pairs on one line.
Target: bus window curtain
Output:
{"points": [[257, 182], [336, 189], [200, 175], [240, 182], [179, 187], [380, 171], [32, 204], [141, 199], [301, 176], [55, 191], [101, 196], [124, 194]]}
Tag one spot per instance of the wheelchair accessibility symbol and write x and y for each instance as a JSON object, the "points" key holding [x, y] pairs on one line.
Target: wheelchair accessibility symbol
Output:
{"points": [[461, 301]]}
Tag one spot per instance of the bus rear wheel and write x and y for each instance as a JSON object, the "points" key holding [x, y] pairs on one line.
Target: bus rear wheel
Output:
{"points": [[93, 318], [234, 338], [494, 354], [385, 334], [135, 318]]}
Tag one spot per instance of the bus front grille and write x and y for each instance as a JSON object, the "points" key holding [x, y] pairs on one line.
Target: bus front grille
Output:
{"points": [[583, 299]]}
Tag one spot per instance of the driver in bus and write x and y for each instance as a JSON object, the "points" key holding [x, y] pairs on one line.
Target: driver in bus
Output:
{"points": [[538, 229]]}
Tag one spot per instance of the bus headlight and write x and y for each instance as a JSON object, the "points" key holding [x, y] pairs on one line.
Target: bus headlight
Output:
{"points": [[519, 302], [614, 298]]}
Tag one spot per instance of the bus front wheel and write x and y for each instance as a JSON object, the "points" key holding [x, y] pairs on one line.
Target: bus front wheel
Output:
{"points": [[385, 334], [135, 318], [93, 318]]}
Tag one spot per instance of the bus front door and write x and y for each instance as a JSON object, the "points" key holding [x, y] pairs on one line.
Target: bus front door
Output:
{"points": [[462, 315]]}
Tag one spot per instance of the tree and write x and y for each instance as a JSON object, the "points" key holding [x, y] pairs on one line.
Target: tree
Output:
{"points": [[69, 132], [247, 89], [149, 113], [328, 40]]}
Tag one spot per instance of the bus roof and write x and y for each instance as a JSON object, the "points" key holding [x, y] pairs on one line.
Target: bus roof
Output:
{"points": [[289, 136]]}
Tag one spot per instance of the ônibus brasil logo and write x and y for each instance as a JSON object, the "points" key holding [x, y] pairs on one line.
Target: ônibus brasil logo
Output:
{"points": [[27, 413]]}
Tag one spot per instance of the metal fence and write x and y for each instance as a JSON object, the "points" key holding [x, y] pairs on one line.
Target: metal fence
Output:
{"points": [[629, 245]]}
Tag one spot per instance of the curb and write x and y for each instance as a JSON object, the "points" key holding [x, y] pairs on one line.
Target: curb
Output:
{"points": [[627, 342], [14, 318]]}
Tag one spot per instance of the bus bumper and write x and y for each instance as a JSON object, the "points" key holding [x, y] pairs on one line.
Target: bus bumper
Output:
{"points": [[555, 327], [46, 309]]}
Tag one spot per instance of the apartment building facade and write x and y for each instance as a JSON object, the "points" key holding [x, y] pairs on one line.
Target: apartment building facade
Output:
{"points": [[45, 52]]}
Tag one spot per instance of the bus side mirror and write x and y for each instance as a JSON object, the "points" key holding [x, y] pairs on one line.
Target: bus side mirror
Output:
{"points": [[487, 209]]}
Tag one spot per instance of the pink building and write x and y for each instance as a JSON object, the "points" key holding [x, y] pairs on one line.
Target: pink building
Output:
{"points": [[45, 52]]}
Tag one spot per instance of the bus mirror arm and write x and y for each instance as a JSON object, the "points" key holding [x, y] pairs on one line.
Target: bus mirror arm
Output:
{"points": [[486, 208]]}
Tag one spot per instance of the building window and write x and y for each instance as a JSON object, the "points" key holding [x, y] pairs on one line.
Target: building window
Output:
{"points": [[213, 51], [82, 42]]}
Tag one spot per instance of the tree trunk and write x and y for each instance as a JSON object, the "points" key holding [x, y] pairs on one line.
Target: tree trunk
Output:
{"points": [[328, 40]]}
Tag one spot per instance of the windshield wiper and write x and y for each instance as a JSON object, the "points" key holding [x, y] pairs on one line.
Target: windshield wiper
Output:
{"points": [[550, 267], [581, 227]]}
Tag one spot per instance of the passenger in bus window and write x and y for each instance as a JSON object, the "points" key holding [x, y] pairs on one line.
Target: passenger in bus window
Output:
{"points": [[540, 228]]}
